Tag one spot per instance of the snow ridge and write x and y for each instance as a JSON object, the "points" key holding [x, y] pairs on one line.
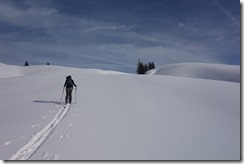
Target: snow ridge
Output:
{"points": [[222, 72], [27, 150]]}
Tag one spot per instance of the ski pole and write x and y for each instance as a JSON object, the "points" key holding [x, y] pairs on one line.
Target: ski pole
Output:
{"points": [[75, 93], [62, 95]]}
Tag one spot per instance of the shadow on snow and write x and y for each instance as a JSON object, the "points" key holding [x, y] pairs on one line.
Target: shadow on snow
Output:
{"points": [[51, 102]]}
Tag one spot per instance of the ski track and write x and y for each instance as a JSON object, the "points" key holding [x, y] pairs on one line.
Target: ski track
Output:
{"points": [[36, 141]]}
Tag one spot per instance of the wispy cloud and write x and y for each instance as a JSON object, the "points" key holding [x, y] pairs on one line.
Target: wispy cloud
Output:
{"points": [[228, 14]]}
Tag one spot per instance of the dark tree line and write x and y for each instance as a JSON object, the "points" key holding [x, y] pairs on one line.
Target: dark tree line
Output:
{"points": [[27, 64], [143, 68]]}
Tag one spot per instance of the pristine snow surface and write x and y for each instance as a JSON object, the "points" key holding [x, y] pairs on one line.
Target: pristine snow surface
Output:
{"points": [[119, 116], [201, 70]]}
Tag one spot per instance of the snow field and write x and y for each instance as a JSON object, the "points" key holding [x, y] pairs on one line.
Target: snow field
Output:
{"points": [[201, 70], [27, 150], [120, 116]]}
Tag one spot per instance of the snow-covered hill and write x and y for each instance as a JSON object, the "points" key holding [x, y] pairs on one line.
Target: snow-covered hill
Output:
{"points": [[117, 116], [201, 70]]}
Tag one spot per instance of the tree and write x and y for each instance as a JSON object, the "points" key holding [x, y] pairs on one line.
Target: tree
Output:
{"points": [[151, 65], [143, 68], [26, 63], [140, 67]]}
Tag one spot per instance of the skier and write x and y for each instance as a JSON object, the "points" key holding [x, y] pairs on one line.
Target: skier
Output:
{"points": [[69, 83]]}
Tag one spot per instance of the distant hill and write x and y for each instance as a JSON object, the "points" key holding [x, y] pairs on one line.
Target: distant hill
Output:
{"points": [[221, 72]]}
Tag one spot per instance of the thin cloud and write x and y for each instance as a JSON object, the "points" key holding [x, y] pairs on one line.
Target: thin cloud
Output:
{"points": [[228, 14]]}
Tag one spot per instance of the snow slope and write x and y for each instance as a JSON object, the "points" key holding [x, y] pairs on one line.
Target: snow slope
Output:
{"points": [[201, 70], [117, 116], [9, 71]]}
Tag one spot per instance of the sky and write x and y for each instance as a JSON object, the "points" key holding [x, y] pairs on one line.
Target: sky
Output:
{"points": [[114, 35]]}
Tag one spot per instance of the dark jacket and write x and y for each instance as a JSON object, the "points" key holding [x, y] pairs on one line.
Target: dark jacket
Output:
{"points": [[69, 82]]}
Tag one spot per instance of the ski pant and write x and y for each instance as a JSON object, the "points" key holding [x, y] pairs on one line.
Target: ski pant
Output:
{"points": [[68, 97]]}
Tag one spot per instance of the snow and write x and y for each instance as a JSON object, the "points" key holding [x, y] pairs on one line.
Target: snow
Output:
{"points": [[201, 70], [9, 71], [119, 116], [27, 150]]}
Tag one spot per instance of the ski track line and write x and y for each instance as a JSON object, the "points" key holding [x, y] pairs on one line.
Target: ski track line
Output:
{"points": [[27, 150]]}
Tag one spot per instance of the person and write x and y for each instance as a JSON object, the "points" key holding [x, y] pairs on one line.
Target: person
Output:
{"points": [[69, 83]]}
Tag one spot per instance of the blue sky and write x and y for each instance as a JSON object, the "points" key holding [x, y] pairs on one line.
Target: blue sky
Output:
{"points": [[111, 34]]}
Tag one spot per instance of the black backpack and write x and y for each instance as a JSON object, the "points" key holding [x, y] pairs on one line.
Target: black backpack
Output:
{"points": [[69, 82]]}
